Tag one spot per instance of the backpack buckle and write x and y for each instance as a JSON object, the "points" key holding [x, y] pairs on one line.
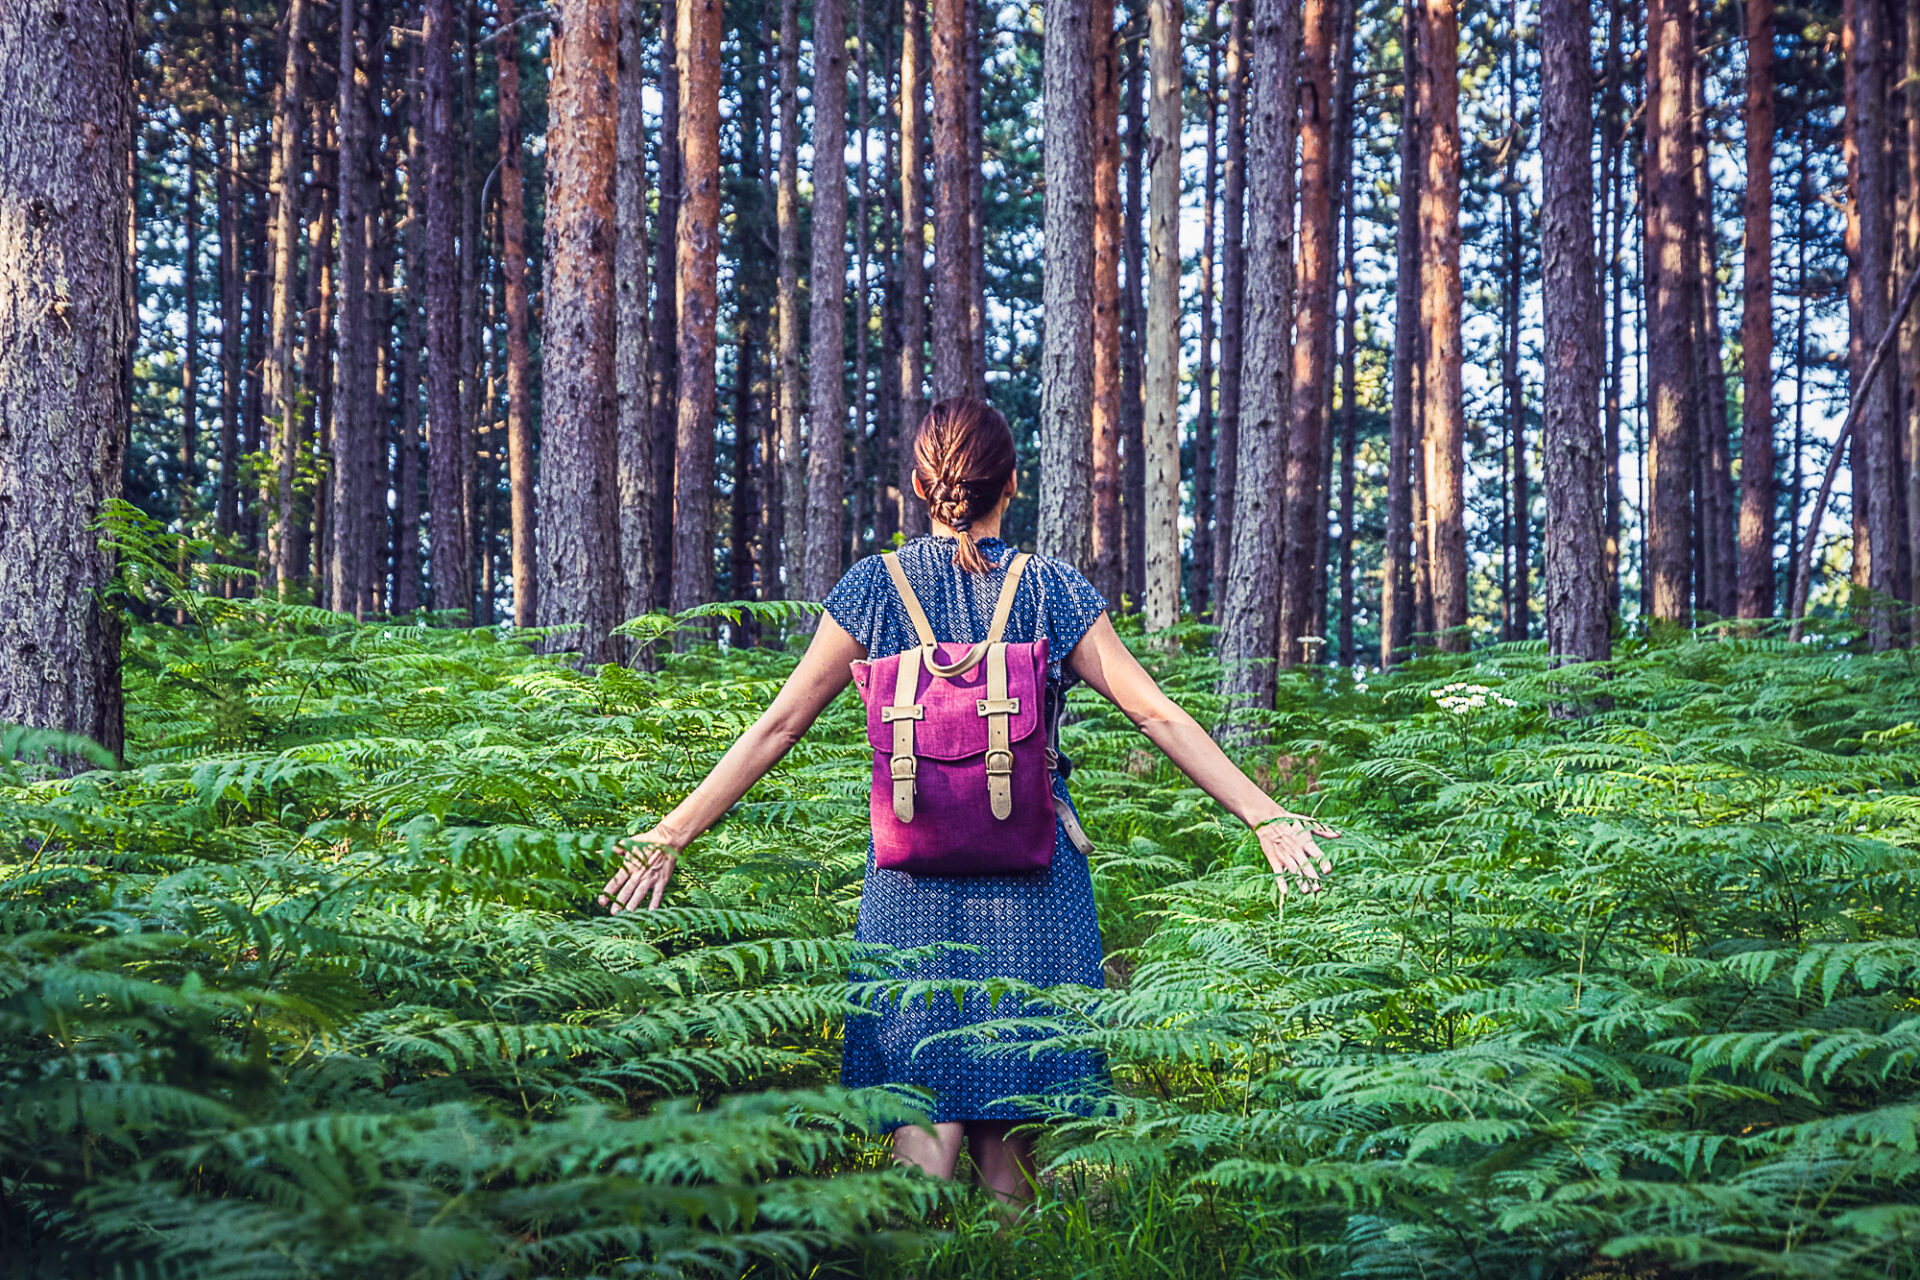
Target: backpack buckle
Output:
{"points": [[906, 768], [999, 762]]}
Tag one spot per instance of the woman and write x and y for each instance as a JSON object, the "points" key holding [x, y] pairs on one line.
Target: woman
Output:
{"points": [[1038, 927]]}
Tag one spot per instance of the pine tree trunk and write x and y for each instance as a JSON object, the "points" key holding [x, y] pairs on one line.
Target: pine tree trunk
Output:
{"points": [[315, 358], [1349, 405], [913, 248], [697, 49], [232, 327], [66, 134], [977, 193], [1314, 333], [1443, 413], [1107, 545], [1201, 582], [280, 391], [1575, 579], [791, 536], [863, 298], [1910, 337], [472, 366], [1160, 432], [451, 559], [1066, 360], [184, 486], [406, 462], [1133, 316], [1518, 533], [1226, 444], [1756, 324], [357, 421], [1396, 579], [1714, 502], [663, 328], [1869, 277], [1670, 275], [1248, 624], [952, 194], [513, 235], [1612, 165], [827, 302], [638, 469]]}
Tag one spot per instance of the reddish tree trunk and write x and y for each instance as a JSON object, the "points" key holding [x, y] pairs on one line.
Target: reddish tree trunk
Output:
{"points": [[913, 250], [663, 364], [1396, 585], [952, 196], [513, 235], [1670, 278], [697, 48], [1443, 413], [827, 302], [1756, 325], [1107, 529]]}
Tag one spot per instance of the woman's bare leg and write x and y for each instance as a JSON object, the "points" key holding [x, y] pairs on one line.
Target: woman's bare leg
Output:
{"points": [[933, 1153], [1004, 1159]]}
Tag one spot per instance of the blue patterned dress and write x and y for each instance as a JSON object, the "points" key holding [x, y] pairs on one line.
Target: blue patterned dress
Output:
{"points": [[1038, 927]]}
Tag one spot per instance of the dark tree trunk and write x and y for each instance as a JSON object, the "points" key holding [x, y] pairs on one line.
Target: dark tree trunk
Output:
{"points": [[1518, 559], [227, 201], [1396, 586], [1248, 624], [827, 304], [280, 390], [449, 537], [790, 537], [1066, 382], [863, 295], [1910, 336], [66, 136], [913, 270], [664, 327], [1875, 441], [1201, 582], [952, 197], [358, 424], [406, 466], [1108, 549], [1670, 278], [1714, 509], [315, 360], [1756, 325], [472, 366], [1132, 317], [1349, 404], [697, 48], [184, 483], [1232, 300], [513, 236], [1612, 164]]}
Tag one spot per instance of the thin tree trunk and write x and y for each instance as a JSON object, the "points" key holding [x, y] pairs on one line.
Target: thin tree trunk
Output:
{"points": [[1066, 359], [280, 391], [888, 428], [791, 535], [1201, 582], [1108, 548], [232, 327], [1349, 403], [1910, 343], [663, 328], [1518, 533], [1232, 299], [315, 359], [976, 201], [66, 136], [1756, 323], [406, 466], [1160, 432], [1575, 580], [513, 234], [356, 421], [863, 296], [1132, 316], [190, 352], [472, 365], [1443, 412], [1714, 503], [447, 528], [1248, 630], [1396, 579], [1314, 335], [952, 194], [1613, 149], [827, 300], [697, 49], [1342, 160], [913, 250], [1669, 344], [1874, 436]]}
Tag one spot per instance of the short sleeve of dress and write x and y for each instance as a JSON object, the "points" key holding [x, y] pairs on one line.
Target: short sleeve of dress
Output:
{"points": [[1069, 605], [858, 602]]}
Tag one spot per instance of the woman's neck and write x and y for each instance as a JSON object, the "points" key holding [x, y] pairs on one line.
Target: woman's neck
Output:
{"points": [[987, 526]]}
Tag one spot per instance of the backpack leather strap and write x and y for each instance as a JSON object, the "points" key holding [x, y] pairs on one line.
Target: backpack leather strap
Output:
{"points": [[904, 712], [921, 627], [995, 707]]}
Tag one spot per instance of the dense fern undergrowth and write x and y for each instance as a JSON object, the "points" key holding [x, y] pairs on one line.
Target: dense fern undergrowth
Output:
{"points": [[312, 986]]}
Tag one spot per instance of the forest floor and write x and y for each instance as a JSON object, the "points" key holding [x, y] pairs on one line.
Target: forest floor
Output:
{"points": [[313, 984]]}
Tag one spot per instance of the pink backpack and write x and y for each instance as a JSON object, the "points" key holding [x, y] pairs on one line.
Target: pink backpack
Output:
{"points": [[962, 769]]}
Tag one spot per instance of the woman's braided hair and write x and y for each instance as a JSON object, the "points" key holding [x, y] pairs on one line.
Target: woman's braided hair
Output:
{"points": [[963, 457]]}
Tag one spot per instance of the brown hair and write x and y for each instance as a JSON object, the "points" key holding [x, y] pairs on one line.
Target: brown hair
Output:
{"points": [[963, 457]]}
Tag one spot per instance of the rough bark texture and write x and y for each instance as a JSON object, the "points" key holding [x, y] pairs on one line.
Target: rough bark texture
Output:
{"points": [[1910, 336], [280, 389], [1874, 435], [913, 250], [1160, 431], [513, 236], [793, 495], [448, 532], [1248, 623], [1349, 404], [827, 277], [636, 480], [1612, 165], [580, 579], [1314, 333], [976, 202], [1575, 580], [406, 459], [1200, 584], [1713, 500], [697, 247], [1232, 299], [1066, 359], [1396, 585], [1133, 259], [66, 132], [952, 196], [232, 320], [1756, 325], [1107, 538], [1669, 340], [664, 326], [1443, 411], [356, 425]]}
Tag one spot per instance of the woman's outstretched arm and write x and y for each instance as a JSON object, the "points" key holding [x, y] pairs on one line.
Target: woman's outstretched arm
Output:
{"points": [[1104, 662], [823, 672]]}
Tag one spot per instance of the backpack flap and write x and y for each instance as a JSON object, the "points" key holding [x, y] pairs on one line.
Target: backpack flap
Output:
{"points": [[954, 725]]}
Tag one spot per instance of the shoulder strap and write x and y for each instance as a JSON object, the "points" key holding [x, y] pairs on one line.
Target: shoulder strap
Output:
{"points": [[1003, 608], [921, 626]]}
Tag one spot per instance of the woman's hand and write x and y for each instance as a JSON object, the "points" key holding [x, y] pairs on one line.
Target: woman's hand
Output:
{"points": [[1288, 841], [648, 862]]}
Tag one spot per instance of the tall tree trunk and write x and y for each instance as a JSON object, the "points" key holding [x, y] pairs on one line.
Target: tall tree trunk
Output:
{"points": [[580, 574], [827, 301], [357, 424], [232, 326], [1575, 581], [1314, 335], [977, 198], [1066, 359], [448, 532], [791, 535], [697, 48], [863, 295], [1670, 276], [66, 136], [1396, 579], [184, 486], [887, 430], [637, 469], [1612, 165], [1133, 315], [1160, 432], [315, 360], [1248, 631], [1108, 548], [663, 329], [1519, 560], [1874, 434], [406, 462], [952, 195], [1910, 338], [1232, 299], [1756, 324], [280, 390], [1349, 404], [1201, 583], [1714, 503], [1443, 412], [1342, 161], [913, 251], [513, 235], [472, 366]]}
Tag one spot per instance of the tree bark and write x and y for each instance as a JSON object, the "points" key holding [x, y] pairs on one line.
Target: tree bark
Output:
{"points": [[184, 486], [1108, 548], [1714, 505], [952, 197], [1910, 343], [1314, 335], [1396, 579], [472, 321], [1232, 299], [1248, 630], [863, 398], [315, 354], [790, 537], [1518, 559], [1160, 432], [406, 461], [1874, 435], [913, 257], [280, 390], [1349, 403], [513, 234], [1066, 385], [1613, 148], [1443, 412], [1201, 583], [1756, 324], [1670, 276], [827, 301], [449, 540], [697, 239], [663, 328], [226, 148], [977, 200], [358, 424], [1133, 261], [1575, 579], [66, 135]]}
